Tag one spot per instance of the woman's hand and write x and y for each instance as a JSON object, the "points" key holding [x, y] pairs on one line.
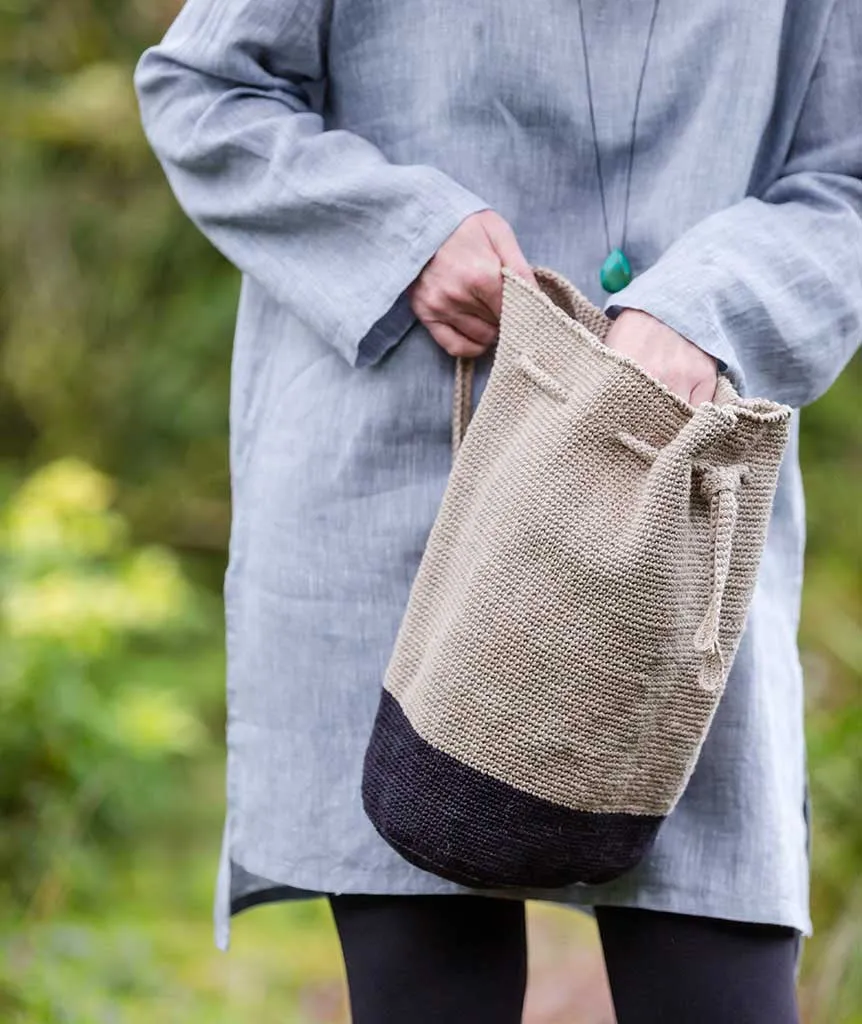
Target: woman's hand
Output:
{"points": [[459, 294], [670, 357]]}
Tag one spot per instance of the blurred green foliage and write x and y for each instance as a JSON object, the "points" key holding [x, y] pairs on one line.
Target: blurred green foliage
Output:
{"points": [[115, 332], [115, 318], [831, 640], [88, 726]]}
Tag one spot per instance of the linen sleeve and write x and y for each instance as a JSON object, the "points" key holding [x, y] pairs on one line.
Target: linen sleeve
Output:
{"points": [[772, 286], [320, 218]]}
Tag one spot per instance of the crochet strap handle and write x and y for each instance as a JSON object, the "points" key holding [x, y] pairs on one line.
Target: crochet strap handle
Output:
{"points": [[558, 290], [462, 400]]}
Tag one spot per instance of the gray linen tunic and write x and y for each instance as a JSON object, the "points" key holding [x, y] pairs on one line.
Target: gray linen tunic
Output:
{"points": [[328, 148]]}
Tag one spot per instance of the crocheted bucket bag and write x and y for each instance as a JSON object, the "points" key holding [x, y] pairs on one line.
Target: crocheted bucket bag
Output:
{"points": [[576, 611]]}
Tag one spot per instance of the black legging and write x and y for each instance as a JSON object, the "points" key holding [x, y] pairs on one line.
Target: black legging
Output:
{"points": [[463, 960]]}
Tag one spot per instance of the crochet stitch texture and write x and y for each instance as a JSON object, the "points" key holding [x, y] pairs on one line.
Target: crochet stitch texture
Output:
{"points": [[577, 609]]}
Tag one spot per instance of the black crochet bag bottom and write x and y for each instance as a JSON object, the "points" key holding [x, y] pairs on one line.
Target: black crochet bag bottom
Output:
{"points": [[447, 818]]}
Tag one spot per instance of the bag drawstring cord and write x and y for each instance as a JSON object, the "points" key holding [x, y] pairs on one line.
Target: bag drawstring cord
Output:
{"points": [[719, 485]]}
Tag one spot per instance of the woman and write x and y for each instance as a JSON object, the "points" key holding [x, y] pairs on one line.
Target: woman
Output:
{"points": [[370, 167]]}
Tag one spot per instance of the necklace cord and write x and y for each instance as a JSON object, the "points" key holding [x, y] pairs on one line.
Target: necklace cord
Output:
{"points": [[635, 122], [633, 139], [588, 77]]}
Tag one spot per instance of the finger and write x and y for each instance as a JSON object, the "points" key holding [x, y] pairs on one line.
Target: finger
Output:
{"points": [[475, 291], [667, 367], [679, 383], [505, 244], [473, 328], [703, 391], [483, 289], [472, 306], [453, 342]]}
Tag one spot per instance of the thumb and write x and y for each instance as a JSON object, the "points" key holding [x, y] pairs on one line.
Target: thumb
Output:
{"points": [[505, 245]]}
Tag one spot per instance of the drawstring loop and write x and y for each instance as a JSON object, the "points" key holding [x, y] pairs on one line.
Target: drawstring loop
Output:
{"points": [[719, 485]]}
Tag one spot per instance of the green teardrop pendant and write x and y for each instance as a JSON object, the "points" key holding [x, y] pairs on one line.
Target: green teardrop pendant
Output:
{"points": [[616, 271]]}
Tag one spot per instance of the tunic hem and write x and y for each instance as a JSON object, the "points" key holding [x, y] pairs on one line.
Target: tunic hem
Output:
{"points": [[287, 883]]}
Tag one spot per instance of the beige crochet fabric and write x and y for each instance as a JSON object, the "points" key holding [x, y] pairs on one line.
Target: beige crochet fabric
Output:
{"points": [[586, 581]]}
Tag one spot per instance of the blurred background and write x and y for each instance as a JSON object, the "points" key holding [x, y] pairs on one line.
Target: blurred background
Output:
{"points": [[115, 336]]}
